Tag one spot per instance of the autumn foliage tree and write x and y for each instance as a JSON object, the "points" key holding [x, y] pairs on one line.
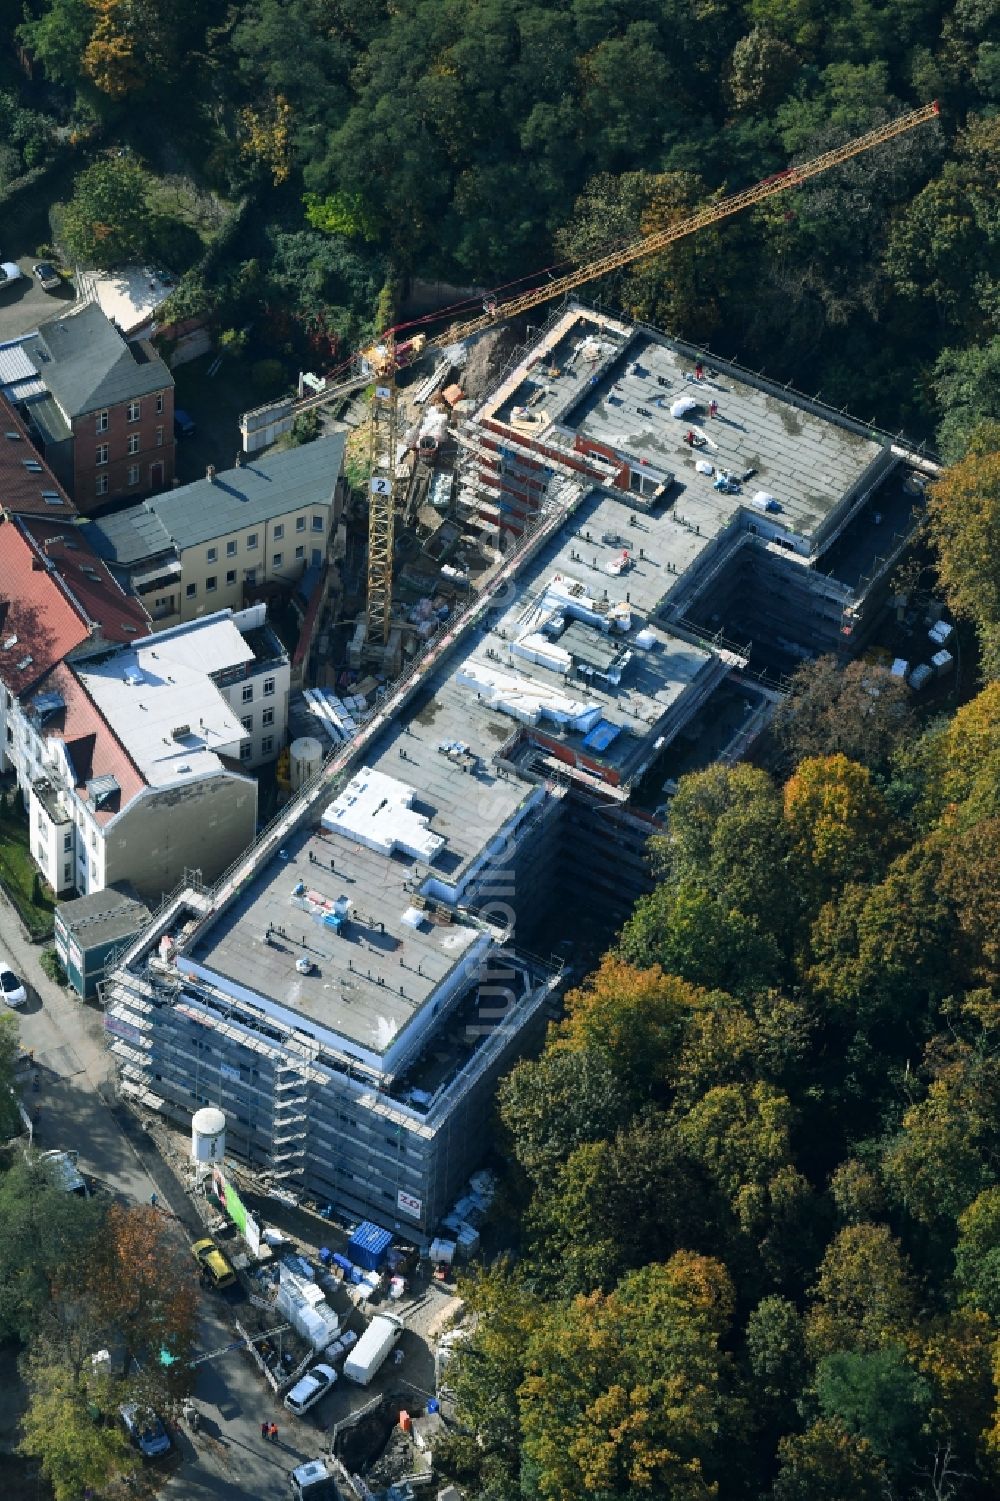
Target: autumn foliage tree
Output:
{"points": [[964, 521]]}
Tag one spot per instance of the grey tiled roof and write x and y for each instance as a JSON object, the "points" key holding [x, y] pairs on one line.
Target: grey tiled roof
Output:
{"points": [[286, 481], [128, 537], [88, 364]]}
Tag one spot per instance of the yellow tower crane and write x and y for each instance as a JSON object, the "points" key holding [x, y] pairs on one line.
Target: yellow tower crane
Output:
{"points": [[384, 358]]}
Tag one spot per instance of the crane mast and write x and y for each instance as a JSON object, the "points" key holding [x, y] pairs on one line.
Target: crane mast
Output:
{"points": [[383, 358]]}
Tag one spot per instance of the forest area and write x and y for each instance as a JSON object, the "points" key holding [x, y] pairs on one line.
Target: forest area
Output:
{"points": [[753, 1179], [474, 142]]}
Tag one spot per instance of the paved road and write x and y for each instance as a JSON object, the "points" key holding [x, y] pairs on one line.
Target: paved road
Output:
{"points": [[24, 306], [78, 1109]]}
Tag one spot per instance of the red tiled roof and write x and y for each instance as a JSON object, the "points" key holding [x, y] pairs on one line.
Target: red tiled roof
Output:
{"points": [[93, 748], [120, 616], [23, 490], [38, 623]]}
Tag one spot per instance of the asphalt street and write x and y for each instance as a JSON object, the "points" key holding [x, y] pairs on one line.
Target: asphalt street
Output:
{"points": [[79, 1110]]}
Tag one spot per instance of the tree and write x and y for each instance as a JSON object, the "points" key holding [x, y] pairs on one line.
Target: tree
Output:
{"points": [[58, 38], [681, 928], [762, 69], [616, 1205], [143, 1284], [76, 1452], [634, 1016], [857, 1192], [608, 1416], [863, 1298], [827, 1463], [552, 1106], [108, 220], [741, 1136], [9, 1048], [977, 1255], [963, 515], [775, 1349], [488, 1367], [837, 823], [860, 711], [46, 1231], [876, 1395]]}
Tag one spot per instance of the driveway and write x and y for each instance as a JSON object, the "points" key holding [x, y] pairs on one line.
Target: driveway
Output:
{"points": [[24, 306]]}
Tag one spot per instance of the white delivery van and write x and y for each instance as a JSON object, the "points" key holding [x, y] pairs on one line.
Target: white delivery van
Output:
{"points": [[370, 1352]]}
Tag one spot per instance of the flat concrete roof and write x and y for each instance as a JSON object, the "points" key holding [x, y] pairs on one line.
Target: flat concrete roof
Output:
{"points": [[150, 692], [590, 382], [371, 977]]}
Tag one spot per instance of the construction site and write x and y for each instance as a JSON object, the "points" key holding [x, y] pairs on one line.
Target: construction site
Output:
{"points": [[582, 565]]}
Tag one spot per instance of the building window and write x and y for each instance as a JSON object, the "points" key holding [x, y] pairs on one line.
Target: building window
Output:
{"points": [[211, 584], [267, 718], [250, 576], [101, 485], [134, 411], [248, 724], [159, 403], [133, 474], [268, 687], [191, 590], [277, 559], [251, 541], [317, 557], [300, 553], [300, 523], [134, 440], [159, 437], [67, 842], [211, 554], [317, 523], [67, 874], [246, 750], [267, 745], [102, 422], [230, 549], [93, 870], [279, 532], [102, 453], [248, 693], [230, 576]]}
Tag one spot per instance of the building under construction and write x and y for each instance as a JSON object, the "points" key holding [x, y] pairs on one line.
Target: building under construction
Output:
{"points": [[659, 535]]}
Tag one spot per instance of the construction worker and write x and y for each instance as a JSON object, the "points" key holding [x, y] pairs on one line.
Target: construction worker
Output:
{"points": [[713, 408], [699, 371], [689, 438]]}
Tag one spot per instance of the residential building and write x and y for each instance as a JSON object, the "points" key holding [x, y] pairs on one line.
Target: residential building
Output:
{"points": [[213, 544], [349, 993], [136, 761], [89, 930], [27, 485], [100, 404]]}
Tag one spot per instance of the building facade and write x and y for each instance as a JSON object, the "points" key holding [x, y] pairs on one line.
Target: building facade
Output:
{"points": [[103, 409], [210, 545]]}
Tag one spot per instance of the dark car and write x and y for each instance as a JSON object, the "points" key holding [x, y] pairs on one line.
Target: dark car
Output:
{"points": [[183, 423], [47, 276]]}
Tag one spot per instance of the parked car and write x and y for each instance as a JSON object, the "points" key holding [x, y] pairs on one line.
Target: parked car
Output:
{"points": [[183, 424], [307, 1391], [12, 988], [214, 1266], [145, 1430], [10, 272], [47, 276]]}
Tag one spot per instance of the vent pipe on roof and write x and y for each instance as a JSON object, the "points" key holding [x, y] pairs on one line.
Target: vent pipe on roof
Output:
{"points": [[210, 474]]}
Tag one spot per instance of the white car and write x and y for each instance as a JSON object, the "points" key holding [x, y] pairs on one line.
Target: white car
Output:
{"points": [[315, 1384], [13, 990], [10, 272]]}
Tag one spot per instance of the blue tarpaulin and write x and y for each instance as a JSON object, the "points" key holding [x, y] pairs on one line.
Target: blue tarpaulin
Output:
{"points": [[368, 1245], [601, 735]]}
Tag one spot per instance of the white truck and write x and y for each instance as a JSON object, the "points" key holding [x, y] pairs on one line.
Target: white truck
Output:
{"points": [[369, 1354], [313, 1480]]}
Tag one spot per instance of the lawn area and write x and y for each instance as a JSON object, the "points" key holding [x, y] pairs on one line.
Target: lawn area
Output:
{"points": [[17, 873], [177, 197]]}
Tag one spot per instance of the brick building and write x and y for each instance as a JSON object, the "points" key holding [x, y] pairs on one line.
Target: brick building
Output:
{"points": [[105, 420]]}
